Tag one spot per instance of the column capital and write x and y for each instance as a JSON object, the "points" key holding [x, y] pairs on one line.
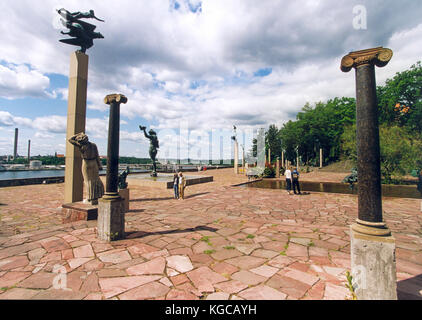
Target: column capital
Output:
{"points": [[377, 56], [119, 98]]}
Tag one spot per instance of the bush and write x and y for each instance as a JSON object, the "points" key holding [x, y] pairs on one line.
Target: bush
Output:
{"points": [[268, 172]]}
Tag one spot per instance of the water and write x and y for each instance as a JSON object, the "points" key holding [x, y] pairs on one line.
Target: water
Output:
{"points": [[332, 187], [12, 175]]}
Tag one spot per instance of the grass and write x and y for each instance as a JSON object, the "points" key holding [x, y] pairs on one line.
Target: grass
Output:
{"points": [[250, 236], [311, 244], [205, 239], [209, 251], [283, 253], [229, 248]]}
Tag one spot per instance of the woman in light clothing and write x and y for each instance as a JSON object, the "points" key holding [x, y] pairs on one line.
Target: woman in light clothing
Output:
{"points": [[182, 186], [288, 175]]}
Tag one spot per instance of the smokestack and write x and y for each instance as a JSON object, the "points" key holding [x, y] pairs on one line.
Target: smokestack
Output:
{"points": [[15, 152], [29, 151]]}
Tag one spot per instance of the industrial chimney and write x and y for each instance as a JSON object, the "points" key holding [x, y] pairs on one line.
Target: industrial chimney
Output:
{"points": [[29, 151], [15, 152]]}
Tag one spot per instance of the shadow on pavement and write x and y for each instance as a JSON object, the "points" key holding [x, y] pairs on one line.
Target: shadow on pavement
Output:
{"points": [[168, 198], [142, 234], [136, 211], [410, 289]]}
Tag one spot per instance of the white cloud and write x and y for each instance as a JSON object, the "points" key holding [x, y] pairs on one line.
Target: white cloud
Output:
{"points": [[17, 81]]}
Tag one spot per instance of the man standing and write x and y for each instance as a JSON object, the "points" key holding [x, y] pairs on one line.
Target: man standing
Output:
{"points": [[295, 178], [176, 186]]}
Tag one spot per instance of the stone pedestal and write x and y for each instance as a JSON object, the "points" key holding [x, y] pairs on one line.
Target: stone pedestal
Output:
{"points": [[111, 219], [79, 211], [76, 117], [373, 265], [124, 194]]}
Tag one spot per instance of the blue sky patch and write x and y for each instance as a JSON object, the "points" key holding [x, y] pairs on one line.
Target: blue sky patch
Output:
{"points": [[263, 72]]}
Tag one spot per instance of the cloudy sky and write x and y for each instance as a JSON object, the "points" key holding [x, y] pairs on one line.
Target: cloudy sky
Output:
{"points": [[191, 67]]}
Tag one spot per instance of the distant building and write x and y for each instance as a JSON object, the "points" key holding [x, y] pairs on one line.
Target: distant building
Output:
{"points": [[60, 155], [35, 164]]}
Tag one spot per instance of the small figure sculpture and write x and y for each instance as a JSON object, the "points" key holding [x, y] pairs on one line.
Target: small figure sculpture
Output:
{"points": [[352, 178], [82, 33], [91, 165], [122, 179], [154, 145]]}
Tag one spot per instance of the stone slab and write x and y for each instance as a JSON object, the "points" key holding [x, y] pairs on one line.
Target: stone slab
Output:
{"points": [[79, 211]]}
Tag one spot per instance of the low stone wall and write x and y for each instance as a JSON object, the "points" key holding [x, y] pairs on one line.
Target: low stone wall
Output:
{"points": [[193, 181], [168, 184], [30, 181]]}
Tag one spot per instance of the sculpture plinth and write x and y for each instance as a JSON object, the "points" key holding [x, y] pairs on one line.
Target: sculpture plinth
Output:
{"points": [[372, 246], [76, 114]]}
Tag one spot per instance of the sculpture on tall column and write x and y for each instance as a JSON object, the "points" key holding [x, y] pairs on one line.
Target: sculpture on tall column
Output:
{"points": [[82, 33], [91, 165], [154, 145]]}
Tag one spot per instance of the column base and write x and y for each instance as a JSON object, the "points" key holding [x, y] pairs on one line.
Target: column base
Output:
{"points": [[373, 264], [111, 219]]}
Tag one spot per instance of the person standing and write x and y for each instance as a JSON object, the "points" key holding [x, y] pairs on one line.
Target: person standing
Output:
{"points": [[288, 175], [295, 180], [176, 186], [182, 186]]}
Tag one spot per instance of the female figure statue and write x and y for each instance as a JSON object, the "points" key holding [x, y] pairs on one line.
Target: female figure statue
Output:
{"points": [[91, 165]]}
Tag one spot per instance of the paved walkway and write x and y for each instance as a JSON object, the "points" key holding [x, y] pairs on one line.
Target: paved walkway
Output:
{"points": [[221, 242]]}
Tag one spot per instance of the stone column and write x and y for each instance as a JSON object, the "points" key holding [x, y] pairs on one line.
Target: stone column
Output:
{"points": [[76, 117], [372, 245], [236, 157], [282, 158], [111, 219], [277, 174], [320, 157]]}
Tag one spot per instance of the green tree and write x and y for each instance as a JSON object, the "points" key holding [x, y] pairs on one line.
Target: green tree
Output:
{"points": [[273, 141], [405, 91], [399, 155]]}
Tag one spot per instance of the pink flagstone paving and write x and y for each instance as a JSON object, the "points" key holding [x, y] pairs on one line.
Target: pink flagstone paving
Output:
{"points": [[221, 242]]}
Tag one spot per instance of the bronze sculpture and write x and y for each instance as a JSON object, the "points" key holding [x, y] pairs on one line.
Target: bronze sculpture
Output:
{"points": [[122, 179], [82, 33], [91, 165], [154, 145]]}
